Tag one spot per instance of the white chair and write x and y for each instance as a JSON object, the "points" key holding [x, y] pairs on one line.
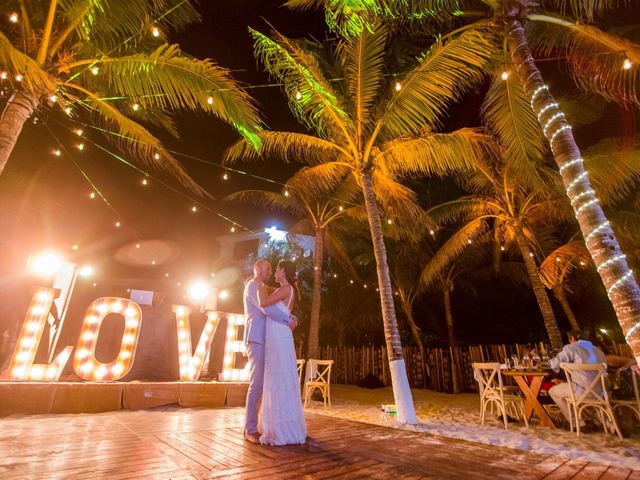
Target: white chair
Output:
{"points": [[300, 362], [634, 405], [588, 390], [492, 392], [321, 381]]}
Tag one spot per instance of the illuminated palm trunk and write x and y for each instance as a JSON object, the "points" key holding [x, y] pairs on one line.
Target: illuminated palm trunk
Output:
{"points": [[539, 290], [415, 332], [561, 296], [399, 380], [600, 240], [18, 110], [448, 315], [314, 321]]}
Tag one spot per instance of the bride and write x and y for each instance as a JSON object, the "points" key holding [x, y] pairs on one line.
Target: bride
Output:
{"points": [[281, 419]]}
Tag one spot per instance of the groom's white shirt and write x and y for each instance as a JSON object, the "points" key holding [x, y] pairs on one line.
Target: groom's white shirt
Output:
{"points": [[257, 316]]}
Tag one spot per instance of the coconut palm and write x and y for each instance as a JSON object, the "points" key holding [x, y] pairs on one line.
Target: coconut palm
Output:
{"points": [[373, 128], [108, 63], [598, 61], [315, 214]]}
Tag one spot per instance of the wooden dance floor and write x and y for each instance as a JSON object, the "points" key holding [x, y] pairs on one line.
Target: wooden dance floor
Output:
{"points": [[173, 443]]}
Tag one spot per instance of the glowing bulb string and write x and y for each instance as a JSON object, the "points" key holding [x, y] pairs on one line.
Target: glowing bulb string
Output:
{"points": [[94, 187], [233, 223]]}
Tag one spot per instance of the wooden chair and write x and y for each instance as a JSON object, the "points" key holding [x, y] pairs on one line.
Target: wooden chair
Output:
{"points": [[300, 362], [321, 381], [588, 390], [492, 392], [634, 405]]}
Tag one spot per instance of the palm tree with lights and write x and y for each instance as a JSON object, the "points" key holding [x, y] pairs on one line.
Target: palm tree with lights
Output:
{"points": [[598, 61], [317, 213], [108, 64], [374, 128]]}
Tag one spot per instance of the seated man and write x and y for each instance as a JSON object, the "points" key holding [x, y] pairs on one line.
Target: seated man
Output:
{"points": [[577, 351]]}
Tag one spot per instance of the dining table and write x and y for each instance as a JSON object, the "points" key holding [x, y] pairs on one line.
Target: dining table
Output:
{"points": [[530, 382]]}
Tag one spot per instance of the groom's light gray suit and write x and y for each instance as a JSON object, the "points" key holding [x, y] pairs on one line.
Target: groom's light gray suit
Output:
{"points": [[254, 340]]}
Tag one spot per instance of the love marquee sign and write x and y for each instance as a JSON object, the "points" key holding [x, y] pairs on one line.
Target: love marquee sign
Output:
{"points": [[85, 364]]}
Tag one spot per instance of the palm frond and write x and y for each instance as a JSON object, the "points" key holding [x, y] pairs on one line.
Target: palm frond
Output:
{"points": [[559, 264], [508, 115], [464, 209], [601, 70], [267, 200], [585, 10], [138, 141], [311, 98], [34, 78], [395, 199], [614, 168], [285, 147], [363, 62], [443, 75], [319, 180], [337, 249], [165, 79], [435, 153], [105, 25], [452, 249]]}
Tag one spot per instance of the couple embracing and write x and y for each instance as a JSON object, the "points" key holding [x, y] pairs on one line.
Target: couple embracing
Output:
{"points": [[274, 409]]}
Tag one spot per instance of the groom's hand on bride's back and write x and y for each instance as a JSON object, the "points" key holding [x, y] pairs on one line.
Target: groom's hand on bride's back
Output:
{"points": [[293, 322]]}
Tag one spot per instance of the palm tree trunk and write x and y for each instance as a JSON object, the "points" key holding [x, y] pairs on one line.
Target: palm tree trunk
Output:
{"points": [[558, 292], [18, 109], [399, 380], [540, 292], [448, 315], [314, 322], [600, 240], [415, 332]]}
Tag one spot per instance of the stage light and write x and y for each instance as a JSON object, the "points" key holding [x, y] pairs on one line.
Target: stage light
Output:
{"points": [[45, 264], [86, 271], [199, 291], [223, 295]]}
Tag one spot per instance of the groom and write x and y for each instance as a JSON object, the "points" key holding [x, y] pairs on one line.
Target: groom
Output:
{"points": [[254, 341]]}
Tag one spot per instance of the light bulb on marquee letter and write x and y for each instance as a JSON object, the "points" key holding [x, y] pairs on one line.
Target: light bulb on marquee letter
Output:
{"points": [[231, 347], [21, 366], [85, 363], [191, 364]]}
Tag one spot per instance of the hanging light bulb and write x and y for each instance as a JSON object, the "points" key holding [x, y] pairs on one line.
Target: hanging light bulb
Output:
{"points": [[340, 208], [389, 221], [225, 176], [67, 110], [118, 224], [233, 229], [210, 100], [298, 95], [95, 70], [57, 153], [398, 86], [627, 64], [144, 181], [351, 282], [137, 245], [166, 274], [531, 254], [92, 195], [136, 107], [53, 98], [81, 146], [18, 77], [431, 232], [75, 247], [79, 132], [505, 75], [155, 31], [157, 156], [153, 262], [194, 209], [335, 275], [557, 259], [286, 193], [3, 75], [469, 241], [502, 247], [13, 17]]}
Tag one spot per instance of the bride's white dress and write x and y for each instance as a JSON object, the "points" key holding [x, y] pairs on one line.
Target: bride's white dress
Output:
{"points": [[281, 419]]}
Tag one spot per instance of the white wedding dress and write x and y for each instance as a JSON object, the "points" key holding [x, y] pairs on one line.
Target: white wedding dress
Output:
{"points": [[281, 419]]}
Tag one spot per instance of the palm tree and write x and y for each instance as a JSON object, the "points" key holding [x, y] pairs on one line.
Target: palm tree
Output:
{"points": [[373, 128], [316, 213], [107, 63], [597, 60]]}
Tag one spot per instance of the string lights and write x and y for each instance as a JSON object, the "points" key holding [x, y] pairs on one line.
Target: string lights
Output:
{"points": [[610, 262]]}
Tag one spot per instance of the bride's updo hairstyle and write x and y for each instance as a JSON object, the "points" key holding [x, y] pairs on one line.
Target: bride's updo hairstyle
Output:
{"points": [[290, 272]]}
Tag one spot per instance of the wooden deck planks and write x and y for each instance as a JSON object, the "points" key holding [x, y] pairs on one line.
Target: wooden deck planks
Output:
{"points": [[198, 444]]}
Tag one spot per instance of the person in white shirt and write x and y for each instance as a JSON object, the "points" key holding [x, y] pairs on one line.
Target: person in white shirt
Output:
{"points": [[577, 351]]}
